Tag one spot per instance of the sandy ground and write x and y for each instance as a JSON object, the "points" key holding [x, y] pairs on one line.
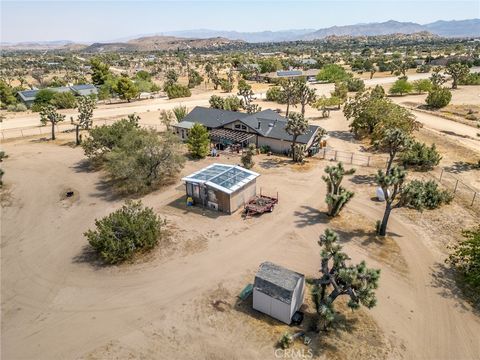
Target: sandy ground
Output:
{"points": [[58, 303]]}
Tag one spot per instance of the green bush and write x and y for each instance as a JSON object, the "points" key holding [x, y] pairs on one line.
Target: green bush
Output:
{"points": [[129, 230], [333, 73], [438, 97], [354, 84], [470, 79], [421, 157], [422, 85], [465, 257], [275, 94], [401, 87], [198, 141], [64, 100], [286, 341], [175, 91], [43, 97], [421, 195], [17, 107]]}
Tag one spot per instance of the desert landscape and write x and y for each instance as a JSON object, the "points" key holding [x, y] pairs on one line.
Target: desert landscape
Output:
{"points": [[62, 297]]}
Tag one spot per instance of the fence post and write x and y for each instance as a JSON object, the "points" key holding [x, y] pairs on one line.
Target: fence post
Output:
{"points": [[441, 174], [351, 160], [473, 199], [335, 158], [456, 184], [368, 161], [21, 132]]}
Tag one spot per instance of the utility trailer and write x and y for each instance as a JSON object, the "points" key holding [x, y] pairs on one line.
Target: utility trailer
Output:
{"points": [[260, 204]]}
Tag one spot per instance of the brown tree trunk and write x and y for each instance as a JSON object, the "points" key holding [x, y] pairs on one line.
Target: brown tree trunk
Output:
{"points": [[53, 131], [288, 107], [386, 215], [77, 130]]}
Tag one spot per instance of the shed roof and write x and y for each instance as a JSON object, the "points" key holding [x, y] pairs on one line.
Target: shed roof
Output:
{"points": [[276, 281], [224, 177]]}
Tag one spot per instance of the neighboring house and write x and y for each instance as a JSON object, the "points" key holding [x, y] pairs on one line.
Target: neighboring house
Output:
{"points": [[221, 187], [28, 96], [265, 128], [278, 292], [289, 74]]}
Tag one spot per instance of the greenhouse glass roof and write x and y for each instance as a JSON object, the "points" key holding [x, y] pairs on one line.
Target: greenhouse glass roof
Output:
{"points": [[227, 178]]}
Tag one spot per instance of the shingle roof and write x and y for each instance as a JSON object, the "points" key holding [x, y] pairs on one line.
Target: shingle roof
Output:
{"points": [[213, 118], [276, 281], [266, 123], [84, 89], [87, 89]]}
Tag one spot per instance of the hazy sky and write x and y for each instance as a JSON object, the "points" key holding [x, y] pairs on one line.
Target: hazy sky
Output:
{"points": [[109, 20]]}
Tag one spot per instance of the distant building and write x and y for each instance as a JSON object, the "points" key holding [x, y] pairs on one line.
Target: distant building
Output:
{"points": [[28, 96], [278, 292], [265, 128], [309, 74]]}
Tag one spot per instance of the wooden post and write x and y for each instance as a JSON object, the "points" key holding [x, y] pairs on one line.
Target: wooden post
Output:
{"points": [[335, 158], [473, 199], [368, 161], [351, 160], [441, 174], [456, 184]]}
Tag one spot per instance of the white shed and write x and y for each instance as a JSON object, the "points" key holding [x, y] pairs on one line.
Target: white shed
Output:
{"points": [[278, 292]]}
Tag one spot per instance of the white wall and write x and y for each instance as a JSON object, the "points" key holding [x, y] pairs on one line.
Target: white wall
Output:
{"points": [[272, 307], [298, 296]]}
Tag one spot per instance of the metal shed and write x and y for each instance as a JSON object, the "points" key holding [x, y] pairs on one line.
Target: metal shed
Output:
{"points": [[278, 292], [222, 187]]}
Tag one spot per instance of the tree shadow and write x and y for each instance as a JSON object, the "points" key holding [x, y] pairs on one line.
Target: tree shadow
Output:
{"points": [[342, 135], [449, 285], [273, 163], [363, 179], [460, 166], [89, 256], [448, 132], [310, 216]]}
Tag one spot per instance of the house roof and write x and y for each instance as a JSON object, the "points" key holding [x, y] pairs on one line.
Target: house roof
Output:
{"points": [[224, 177], [266, 123], [276, 281], [213, 118], [83, 90]]}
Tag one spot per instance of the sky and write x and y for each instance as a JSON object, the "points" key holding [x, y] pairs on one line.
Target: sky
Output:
{"points": [[90, 21]]}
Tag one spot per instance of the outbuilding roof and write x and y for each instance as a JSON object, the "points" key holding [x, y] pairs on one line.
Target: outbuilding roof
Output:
{"points": [[224, 177], [82, 90], [276, 281]]}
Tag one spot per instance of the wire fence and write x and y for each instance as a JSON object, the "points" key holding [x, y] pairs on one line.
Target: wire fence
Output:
{"points": [[352, 158], [459, 189]]}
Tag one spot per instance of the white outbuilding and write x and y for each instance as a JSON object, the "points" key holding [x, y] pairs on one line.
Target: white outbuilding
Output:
{"points": [[278, 292]]}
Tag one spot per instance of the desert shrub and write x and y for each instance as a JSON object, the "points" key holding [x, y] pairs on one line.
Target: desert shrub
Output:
{"points": [[103, 139], [333, 73], [340, 91], [264, 149], [465, 257], [180, 112], [470, 79], [43, 97], [126, 231], [354, 84], [275, 94], [421, 195], [142, 161], [232, 103], [423, 68], [286, 341], [438, 97], [198, 141], [7, 95], [420, 156], [17, 107], [422, 85], [401, 87], [247, 157], [64, 100], [175, 91]]}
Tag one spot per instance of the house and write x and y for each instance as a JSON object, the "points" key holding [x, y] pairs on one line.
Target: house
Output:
{"points": [[278, 292], [275, 76], [221, 187], [28, 96], [264, 129]]}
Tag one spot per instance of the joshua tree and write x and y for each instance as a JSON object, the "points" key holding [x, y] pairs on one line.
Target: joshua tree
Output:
{"points": [[437, 78], [395, 140], [85, 113], [337, 196], [457, 71], [306, 95], [392, 183], [49, 113], [247, 157], [167, 117], [296, 125], [289, 93], [180, 112], [245, 91], [356, 281]]}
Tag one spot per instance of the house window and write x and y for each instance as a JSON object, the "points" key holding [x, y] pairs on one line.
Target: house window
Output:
{"points": [[244, 127], [237, 126]]}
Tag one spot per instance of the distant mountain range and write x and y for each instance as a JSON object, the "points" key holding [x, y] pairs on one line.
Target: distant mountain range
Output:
{"points": [[453, 28], [204, 38]]}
